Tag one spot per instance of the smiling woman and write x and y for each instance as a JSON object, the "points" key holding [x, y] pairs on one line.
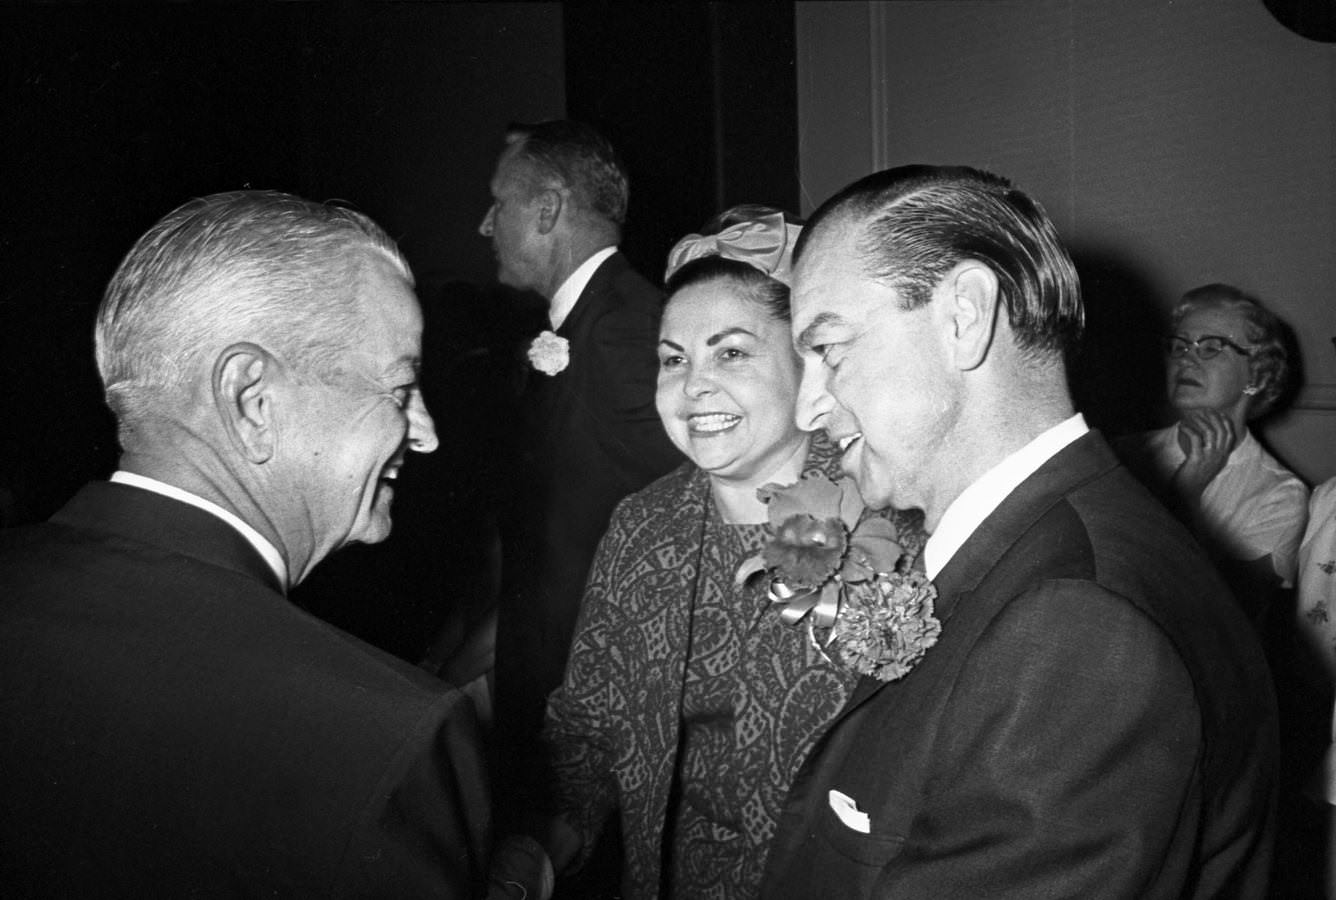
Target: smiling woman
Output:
{"points": [[687, 702], [728, 378]]}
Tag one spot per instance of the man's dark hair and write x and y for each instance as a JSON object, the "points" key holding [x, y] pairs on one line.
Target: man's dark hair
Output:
{"points": [[575, 156], [917, 222]]}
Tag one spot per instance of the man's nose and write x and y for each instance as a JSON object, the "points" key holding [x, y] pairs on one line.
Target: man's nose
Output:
{"points": [[814, 400], [421, 428], [485, 227]]}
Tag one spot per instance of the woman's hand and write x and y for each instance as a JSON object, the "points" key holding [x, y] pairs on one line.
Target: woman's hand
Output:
{"points": [[1206, 437], [519, 870]]}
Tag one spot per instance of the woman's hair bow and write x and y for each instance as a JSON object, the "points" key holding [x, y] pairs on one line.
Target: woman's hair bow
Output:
{"points": [[765, 243]]}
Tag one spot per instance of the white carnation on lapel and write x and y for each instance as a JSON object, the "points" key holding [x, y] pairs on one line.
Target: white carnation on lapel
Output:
{"points": [[549, 353]]}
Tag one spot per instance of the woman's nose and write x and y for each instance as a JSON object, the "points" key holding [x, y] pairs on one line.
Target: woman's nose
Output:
{"points": [[485, 226], [699, 382]]}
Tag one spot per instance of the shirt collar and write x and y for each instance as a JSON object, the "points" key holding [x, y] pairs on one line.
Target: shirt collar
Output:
{"points": [[266, 550], [563, 301], [967, 512]]}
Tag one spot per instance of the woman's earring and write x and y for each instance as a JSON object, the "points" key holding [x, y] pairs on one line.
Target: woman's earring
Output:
{"points": [[1251, 389]]}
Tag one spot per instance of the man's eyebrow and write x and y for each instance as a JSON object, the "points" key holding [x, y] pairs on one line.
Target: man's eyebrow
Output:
{"points": [[804, 340], [407, 362]]}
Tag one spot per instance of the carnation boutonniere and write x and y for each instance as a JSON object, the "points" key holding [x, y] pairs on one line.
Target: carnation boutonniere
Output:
{"points": [[549, 353], [842, 574]]}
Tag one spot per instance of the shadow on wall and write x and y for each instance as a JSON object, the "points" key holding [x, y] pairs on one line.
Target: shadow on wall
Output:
{"points": [[1117, 374]]}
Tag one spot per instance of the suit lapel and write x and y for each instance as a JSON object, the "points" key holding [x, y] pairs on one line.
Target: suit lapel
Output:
{"points": [[1081, 460]]}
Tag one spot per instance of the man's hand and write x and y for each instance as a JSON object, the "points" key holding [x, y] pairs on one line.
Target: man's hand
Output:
{"points": [[1206, 437]]}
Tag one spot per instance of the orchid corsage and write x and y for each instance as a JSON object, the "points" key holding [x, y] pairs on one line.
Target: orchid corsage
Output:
{"points": [[841, 573]]}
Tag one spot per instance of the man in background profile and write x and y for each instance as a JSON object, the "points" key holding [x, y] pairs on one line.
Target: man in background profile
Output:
{"points": [[591, 434]]}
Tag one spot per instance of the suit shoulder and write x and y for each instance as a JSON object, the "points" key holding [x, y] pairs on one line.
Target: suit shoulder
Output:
{"points": [[630, 288], [1065, 611], [1111, 530], [1110, 533]]}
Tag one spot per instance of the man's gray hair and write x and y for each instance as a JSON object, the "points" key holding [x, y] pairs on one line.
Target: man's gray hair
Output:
{"points": [[257, 266], [575, 156]]}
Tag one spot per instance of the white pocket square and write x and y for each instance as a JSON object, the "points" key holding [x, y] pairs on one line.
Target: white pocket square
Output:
{"points": [[848, 812]]}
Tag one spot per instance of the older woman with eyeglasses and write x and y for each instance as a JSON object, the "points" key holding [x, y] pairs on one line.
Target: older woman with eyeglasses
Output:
{"points": [[1227, 365]]}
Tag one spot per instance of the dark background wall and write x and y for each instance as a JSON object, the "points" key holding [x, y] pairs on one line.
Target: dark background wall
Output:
{"points": [[114, 114], [701, 99]]}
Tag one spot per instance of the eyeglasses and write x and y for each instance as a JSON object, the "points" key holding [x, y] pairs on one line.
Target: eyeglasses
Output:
{"points": [[1208, 346]]}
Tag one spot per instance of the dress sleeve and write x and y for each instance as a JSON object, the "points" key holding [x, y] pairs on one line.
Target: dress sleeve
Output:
{"points": [[580, 730], [1281, 520]]}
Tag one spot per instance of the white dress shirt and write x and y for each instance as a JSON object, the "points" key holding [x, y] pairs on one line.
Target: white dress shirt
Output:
{"points": [[253, 537], [967, 512], [1253, 507], [563, 301]]}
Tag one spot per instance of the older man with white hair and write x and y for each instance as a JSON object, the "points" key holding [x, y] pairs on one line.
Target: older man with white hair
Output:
{"points": [[172, 725]]}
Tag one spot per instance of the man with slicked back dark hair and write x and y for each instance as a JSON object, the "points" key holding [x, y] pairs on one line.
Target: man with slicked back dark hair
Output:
{"points": [[1096, 718]]}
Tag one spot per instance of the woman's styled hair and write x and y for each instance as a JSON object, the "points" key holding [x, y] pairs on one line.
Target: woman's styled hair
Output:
{"points": [[710, 255], [1267, 337], [239, 266]]}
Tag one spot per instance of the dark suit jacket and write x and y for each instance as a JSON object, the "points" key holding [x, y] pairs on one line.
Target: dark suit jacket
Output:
{"points": [[1096, 720], [592, 437], [170, 725]]}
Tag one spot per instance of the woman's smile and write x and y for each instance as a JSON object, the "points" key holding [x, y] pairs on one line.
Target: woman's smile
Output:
{"points": [[712, 423]]}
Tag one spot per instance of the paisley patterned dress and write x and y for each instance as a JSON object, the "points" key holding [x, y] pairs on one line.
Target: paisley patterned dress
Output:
{"points": [[687, 704]]}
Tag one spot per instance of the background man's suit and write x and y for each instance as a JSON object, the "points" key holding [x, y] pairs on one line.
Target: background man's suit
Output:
{"points": [[1096, 720], [592, 436], [171, 725]]}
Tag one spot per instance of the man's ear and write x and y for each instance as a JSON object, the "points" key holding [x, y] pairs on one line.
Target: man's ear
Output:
{"points": [[972, 297], [243, 381], [549, 204]]}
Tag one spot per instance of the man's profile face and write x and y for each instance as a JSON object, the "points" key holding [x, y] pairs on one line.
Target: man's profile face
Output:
{"points": [[511, 222], [874, 377], [352, 435]]}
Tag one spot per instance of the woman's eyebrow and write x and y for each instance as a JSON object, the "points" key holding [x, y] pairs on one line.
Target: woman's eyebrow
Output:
{"points": [[716, 338]]}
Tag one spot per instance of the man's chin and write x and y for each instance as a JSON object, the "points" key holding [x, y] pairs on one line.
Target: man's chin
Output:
{"points": [[374, 529], [874, 494], [511, 280]]}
